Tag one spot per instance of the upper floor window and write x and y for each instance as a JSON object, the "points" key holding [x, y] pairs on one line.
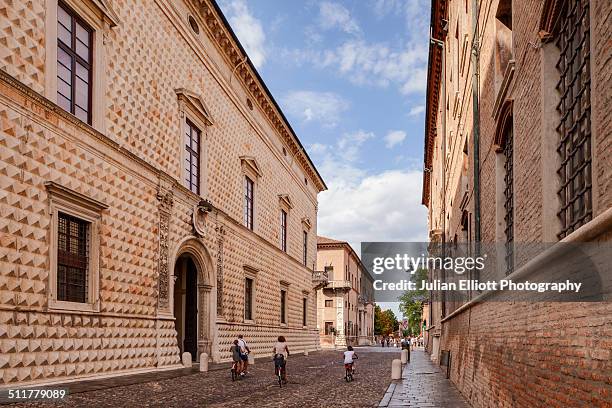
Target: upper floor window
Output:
{"points": [[248, 202], [509, 196], [192, 157], [574, 87], [74, 63], [329, 303], [283, 230], [305, 248]]}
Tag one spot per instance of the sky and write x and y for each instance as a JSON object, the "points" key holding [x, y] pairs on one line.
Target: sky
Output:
{"points": [[351, 77]]}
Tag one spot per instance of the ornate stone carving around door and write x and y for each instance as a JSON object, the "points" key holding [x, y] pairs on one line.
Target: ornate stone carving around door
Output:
{"points": [[166, 202]]}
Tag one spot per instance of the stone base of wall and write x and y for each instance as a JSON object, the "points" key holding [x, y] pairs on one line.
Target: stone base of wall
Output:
{"points": [[261, 339], [40, 347], [532, 354]]}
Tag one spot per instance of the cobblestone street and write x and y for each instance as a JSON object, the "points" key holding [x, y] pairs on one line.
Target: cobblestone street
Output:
{"points": [[314, 381]]}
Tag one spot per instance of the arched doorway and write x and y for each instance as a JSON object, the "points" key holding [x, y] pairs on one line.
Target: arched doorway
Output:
{"points": [[186, 305]]}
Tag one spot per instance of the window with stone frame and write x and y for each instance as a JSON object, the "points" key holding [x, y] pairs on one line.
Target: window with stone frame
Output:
{"points": [[249, 198], [572, 38], [74, 250], [192, 156], [74, 63], [329, 303]]}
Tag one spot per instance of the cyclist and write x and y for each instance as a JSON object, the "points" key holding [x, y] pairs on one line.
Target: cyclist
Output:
{"points": [[349, 358], [244, 354], [281, 352], [235, 350]]}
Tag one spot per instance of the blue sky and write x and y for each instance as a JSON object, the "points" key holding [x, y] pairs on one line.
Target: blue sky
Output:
{"points": [[350, 77]]}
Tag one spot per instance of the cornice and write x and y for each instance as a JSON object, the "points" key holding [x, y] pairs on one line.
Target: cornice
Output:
{"points": [[221, 34]]}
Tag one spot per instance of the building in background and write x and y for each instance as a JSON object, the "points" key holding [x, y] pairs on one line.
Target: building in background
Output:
{"points": [[517, 150], [345, 306], [153, 198]]}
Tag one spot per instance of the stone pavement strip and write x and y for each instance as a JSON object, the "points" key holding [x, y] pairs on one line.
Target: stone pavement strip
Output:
{"points": [[424, 385]]}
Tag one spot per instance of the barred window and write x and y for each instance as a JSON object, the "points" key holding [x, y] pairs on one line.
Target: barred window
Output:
{"points": [[72, 259], [283, 306], [248, 202], [248, 299], [283, 230], [192, 157], [574, 88], [305, 248], [74, 63], [304, 312], [509, 196]]}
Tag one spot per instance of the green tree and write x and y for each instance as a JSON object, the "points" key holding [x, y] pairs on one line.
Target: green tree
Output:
{"points": [[411, 302], [385, 322]]}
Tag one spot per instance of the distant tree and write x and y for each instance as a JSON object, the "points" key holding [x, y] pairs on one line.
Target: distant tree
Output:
{"points": [[385, 322], [411, 302]]}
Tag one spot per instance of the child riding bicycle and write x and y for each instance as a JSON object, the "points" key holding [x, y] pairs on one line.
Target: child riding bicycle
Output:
{"points": [[349, 358]]}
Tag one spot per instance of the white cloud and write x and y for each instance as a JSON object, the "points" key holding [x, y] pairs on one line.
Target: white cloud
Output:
{"points": [[376, 64], [350, 144], [416, 110], [248, 29], [360, 206], [378, 207], [335, 15], [394, 137], [323, 107]]}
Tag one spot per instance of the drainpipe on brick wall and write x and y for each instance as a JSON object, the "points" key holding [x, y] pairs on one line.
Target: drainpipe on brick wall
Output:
{"points": [[476, 122]]}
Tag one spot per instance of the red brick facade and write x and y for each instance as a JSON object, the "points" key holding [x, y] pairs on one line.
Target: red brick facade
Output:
{"points": [[508, 355]]}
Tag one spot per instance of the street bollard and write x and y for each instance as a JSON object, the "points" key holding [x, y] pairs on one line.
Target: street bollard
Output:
{"points": [[396, 369], [404, 356], [306, 353], [203, 362], [186, 359], [251, 359]]}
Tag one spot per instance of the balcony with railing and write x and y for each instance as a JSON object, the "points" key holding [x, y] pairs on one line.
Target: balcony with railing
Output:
{"points": [[320, 279]]}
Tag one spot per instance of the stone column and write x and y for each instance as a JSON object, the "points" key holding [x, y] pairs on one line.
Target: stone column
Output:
{"points": [[204, 340], [340, 335]]}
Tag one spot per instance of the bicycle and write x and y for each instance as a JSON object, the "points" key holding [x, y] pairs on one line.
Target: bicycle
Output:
{"points": [[234, 371], [348, 376], [279, 369]]}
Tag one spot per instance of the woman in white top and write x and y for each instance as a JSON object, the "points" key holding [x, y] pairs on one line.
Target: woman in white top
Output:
{"points": [[281, 352]]}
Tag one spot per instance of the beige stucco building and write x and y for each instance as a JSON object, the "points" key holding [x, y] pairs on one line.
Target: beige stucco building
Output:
{"points": [[153, 197], [345, 305]]}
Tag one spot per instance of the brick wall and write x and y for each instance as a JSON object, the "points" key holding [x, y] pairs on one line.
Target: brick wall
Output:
{"points": [[522, 354]]}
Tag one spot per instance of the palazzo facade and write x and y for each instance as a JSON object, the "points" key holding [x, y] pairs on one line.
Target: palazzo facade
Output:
{"points": [[345, 304], [154, 200]]}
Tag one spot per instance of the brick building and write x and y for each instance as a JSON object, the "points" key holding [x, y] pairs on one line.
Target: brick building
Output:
{"points": [[345, 305], [517, 150], [153, 198]]}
